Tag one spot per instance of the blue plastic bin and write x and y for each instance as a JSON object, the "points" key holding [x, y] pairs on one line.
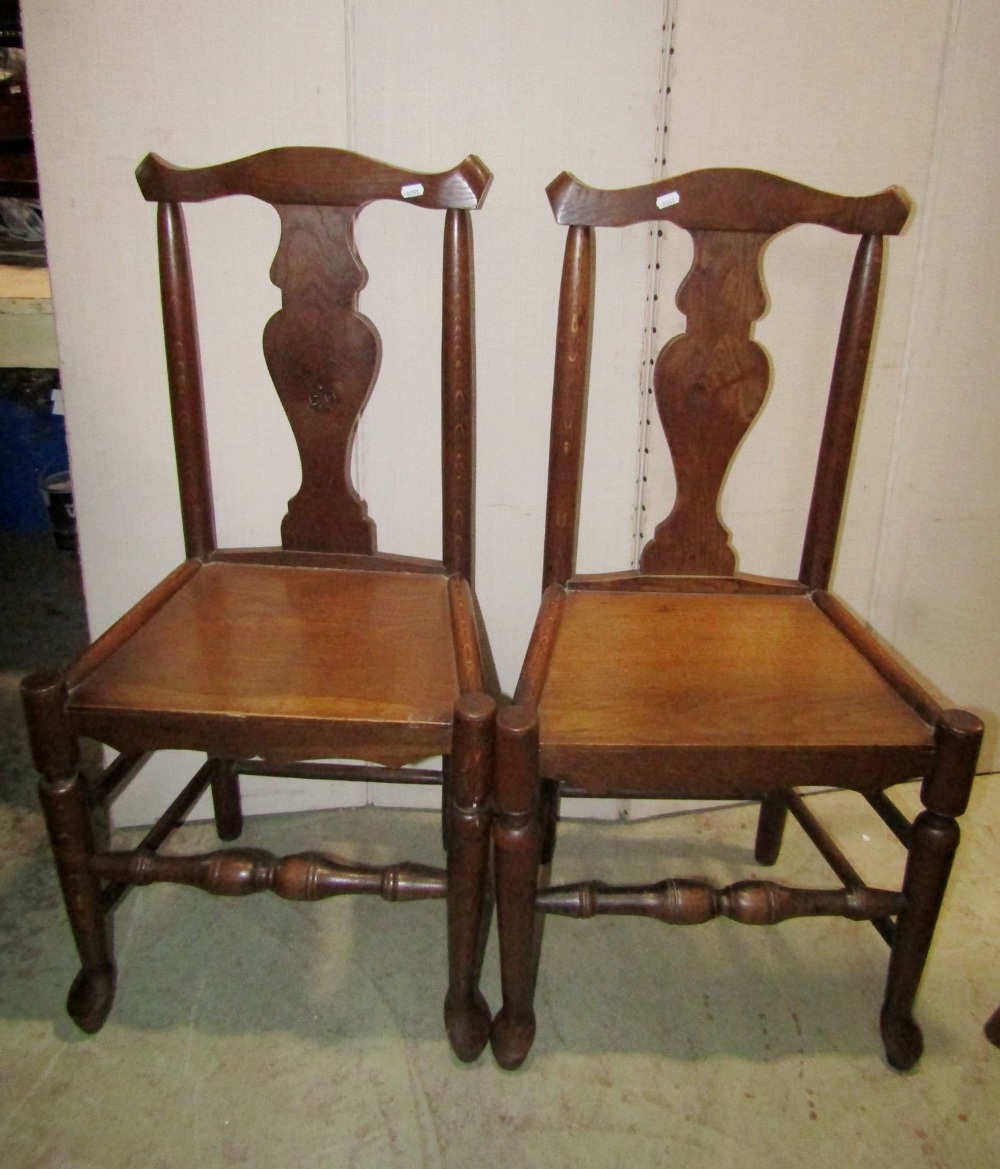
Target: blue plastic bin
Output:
{"points": [[32, 445]]}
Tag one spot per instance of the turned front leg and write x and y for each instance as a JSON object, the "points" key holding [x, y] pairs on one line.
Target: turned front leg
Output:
{"points": [[516, 855], [945, 794], [67, 817], [466, 1013]]}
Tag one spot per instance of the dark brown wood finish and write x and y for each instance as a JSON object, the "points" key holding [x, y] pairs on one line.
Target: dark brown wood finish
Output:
{"points": [[688, 679], [458, 397], [468, 814], [306, 876], [187, 405], [68, 820], [992, 1028], [727, 199], [569, 403], [517, 853], [934, 839], [709, 385], [843, 406], [687, 902], [827, 848], [267, 659], [638, 582], [310, 176], [770, 828], [293, 558], [323, 384], [226, 802], [465, 633], [543, 641]]}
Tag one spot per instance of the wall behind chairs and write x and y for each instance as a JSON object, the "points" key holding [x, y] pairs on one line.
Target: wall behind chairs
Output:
{"points": [[847, 96]]}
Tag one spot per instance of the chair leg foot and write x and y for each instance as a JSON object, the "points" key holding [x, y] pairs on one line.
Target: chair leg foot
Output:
{"points": [[468, 1025], [992, 1028], [91, 997], [902, 1040], [512, 1037]]}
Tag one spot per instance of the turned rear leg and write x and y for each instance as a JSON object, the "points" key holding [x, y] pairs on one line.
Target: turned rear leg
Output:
{"points": [[548, 824], [770, 828], [226, 801], [67, 817]]}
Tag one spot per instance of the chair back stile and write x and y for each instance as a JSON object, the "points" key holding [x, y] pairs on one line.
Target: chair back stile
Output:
{"points": [[569, 406], [187, 404], [847, 385], [711, 381], [458, 397]]}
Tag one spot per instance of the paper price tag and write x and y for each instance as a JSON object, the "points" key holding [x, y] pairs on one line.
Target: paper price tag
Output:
{"points": [[668, 199], [412, 190]]}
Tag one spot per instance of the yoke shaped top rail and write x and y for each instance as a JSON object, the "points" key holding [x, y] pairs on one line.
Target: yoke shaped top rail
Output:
{"points": [[323, 355], [727, 199], [315, 175], [711, 381]]}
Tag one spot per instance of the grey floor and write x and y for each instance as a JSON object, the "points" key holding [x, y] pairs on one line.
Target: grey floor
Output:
{"points": [[263, 1033]]}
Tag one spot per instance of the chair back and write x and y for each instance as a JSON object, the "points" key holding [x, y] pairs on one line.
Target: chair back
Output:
{"points": [[710, 382], [322, 354]]}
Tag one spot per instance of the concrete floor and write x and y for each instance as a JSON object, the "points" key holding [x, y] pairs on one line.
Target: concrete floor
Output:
{"points": [[263, 1033]]}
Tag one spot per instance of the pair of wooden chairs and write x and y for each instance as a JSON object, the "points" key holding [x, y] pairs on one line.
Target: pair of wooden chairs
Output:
{"points": [[684, 679]]}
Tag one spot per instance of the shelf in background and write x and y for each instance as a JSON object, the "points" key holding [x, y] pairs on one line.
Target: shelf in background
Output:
{"points": [[27, 327]]}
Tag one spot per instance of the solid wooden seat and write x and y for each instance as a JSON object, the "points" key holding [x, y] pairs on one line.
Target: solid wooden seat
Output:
{"points": [[287, 663], [682, 694], [684, 678], [277, 661]]}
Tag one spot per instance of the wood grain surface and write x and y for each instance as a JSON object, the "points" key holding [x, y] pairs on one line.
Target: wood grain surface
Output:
{"points": [[714, 671], [314, 175], [245, 643], [727, 199], [328, 644]]}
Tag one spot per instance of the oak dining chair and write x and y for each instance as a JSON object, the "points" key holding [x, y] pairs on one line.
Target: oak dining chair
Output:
{"points": [[688, 679], [290, 660]]}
